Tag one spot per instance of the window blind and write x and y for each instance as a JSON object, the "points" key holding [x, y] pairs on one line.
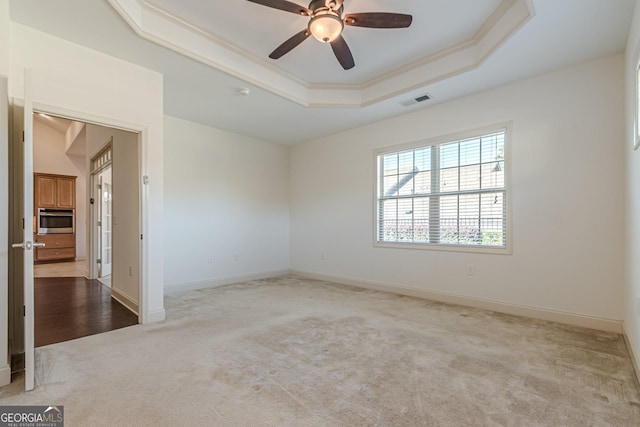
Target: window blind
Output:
{"points": [[450, 193]]}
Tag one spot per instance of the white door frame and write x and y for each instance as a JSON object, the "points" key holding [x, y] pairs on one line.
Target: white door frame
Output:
{"points": [[6, 117], [143, 206], [21, 242], [28, 246], [94, 214]]}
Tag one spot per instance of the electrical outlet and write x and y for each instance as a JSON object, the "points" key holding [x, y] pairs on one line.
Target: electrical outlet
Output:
{"points": [[210, 259], [130, 271], [471, 270]]}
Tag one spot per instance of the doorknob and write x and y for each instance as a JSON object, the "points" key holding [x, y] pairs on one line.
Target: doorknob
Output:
{"points": [[27, 246]]}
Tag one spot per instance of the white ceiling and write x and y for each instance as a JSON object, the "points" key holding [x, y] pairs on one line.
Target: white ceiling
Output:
{"points": [[258, 30], [310, 76], [560, 34]]}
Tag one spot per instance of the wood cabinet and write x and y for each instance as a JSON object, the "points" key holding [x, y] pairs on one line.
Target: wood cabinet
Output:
{"points": [[58, 247], [54, 191], [44, 190], [66, 192]]}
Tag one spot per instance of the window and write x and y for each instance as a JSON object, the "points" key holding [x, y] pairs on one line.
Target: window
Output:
{"points": [[450, 194]]}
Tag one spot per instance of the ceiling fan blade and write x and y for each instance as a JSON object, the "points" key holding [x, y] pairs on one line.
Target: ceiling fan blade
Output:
{"points": [[285, 5], [343, 53], [287, 46], [378, 20]]}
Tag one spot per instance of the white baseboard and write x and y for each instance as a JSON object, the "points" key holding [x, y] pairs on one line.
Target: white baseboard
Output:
{"points": [[575, 319], [214, 283], [633, 351], [5, 375], [154, 316], [125, 300]]}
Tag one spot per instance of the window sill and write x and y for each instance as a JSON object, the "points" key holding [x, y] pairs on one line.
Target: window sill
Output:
{"points": [[446, 248]]}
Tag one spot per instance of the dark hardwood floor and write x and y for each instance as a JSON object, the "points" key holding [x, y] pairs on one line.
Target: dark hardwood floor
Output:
{"points": [[72, 307]]}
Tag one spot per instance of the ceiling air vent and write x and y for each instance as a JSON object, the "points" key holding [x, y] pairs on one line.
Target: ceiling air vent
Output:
{"points": [[417, 100]]}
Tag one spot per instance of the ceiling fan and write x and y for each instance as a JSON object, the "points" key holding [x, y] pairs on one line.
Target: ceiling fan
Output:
{"points": [[326, 24]]}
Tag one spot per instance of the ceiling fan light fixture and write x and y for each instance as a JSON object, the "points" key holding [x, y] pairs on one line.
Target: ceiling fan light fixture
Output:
{"points": [[326, 26]]}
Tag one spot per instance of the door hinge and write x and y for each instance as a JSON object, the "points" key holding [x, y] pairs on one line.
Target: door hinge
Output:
{"points": [[98, 261], [24, 311], [99, 223], [23, 223], [141, 237], [22, 136]]}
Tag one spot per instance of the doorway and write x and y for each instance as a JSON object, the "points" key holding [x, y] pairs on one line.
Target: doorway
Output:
{"points": [[70, 302], [146, 125]]}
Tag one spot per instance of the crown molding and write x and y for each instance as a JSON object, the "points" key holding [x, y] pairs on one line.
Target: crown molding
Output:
{"points": [[165, 29]]}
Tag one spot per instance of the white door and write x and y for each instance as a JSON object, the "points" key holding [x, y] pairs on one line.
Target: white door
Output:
{"points": [[102, 213], [105, 208], [27, 244]]}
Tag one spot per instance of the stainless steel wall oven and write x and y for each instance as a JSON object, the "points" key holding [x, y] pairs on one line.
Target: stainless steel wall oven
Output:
{"points": [[56, 221]]}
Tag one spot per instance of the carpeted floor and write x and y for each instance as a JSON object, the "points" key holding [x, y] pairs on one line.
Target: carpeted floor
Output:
{"points": [[294, 352]]}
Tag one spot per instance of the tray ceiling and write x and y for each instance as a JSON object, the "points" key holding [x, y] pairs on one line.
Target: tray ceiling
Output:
{"points": [[445, 39], [559, 35]]}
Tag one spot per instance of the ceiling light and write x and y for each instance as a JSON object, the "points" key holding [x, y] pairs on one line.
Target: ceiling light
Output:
{"points": [[326, 26], [244, 91]]}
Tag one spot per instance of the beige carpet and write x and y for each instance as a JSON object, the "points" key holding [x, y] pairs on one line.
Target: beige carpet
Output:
{"points": [[292, 352]]}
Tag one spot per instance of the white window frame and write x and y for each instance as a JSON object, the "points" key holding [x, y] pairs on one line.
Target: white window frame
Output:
{"points": [[507, 249], [636, 119]]}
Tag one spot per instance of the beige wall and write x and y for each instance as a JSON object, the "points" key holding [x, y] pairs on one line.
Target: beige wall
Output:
{"points": [[226, 201], [125, 276], [49, 157], [567, 200]]}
